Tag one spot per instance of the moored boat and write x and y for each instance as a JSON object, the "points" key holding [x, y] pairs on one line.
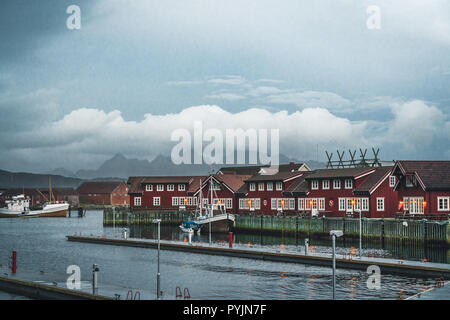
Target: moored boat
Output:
{"points": [[19, 206]]}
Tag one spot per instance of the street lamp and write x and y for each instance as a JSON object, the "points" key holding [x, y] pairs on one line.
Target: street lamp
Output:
{"points": [[335, 234], [158, 274]]}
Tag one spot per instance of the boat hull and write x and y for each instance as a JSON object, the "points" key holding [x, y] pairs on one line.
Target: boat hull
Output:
{"points": [[222, 223]]}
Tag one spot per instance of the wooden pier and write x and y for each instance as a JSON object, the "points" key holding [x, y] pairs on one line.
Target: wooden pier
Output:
{"points": [[403, 267], [372, 229]]}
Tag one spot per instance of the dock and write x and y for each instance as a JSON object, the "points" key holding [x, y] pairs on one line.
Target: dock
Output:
{"points": [[391, 266]]}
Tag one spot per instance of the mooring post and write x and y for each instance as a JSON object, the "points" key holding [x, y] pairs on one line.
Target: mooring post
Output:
{"points": [[306, 246], [230, 240], [95, 270], [334, 234], [14, 262]]}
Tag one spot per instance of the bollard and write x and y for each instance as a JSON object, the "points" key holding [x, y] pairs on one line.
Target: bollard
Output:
{"points": [[306, 246], [230, 240], [124, 234], [95, 279], [190, 238], [14, 262]]}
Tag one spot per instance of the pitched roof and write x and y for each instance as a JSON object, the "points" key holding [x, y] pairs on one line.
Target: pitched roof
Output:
{"points": [[339, 173], [372, 180], [195, 183], [102, 187], [233, 181], [280, 176], [435, 175], [299, 186], [252, 170], [135, 185]]}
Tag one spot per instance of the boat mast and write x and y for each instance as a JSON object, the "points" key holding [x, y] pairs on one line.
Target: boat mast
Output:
{"points": [[201, 204], [50, 188], [211, 189]]}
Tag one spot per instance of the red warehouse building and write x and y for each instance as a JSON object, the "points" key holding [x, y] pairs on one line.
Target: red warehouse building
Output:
{"points": [[341, 192], [423, 188], [164, 193], [104, 193], [262, 193]]}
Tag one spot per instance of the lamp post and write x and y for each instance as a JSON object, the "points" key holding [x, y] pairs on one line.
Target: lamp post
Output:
{"points": [[158, 274], [335, 234]]}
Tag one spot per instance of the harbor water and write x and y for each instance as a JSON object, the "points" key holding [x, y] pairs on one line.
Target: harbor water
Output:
{"points": [[42, 249]]}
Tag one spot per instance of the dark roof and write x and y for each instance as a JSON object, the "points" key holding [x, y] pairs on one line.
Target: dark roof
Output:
{"points": [[34, 192], [135, 185], [338, 173], [280, 176], [299, 186], [233, 181], [252, 170], [102, 187], [372, 179], [195, 183], [435, 175]]}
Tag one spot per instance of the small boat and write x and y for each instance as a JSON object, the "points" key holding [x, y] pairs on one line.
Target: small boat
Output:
{"points": [[189, 227]]}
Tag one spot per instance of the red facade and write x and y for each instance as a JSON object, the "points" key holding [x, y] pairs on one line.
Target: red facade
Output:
{"points": [[104, 193]]}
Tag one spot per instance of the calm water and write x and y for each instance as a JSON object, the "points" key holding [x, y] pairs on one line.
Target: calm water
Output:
{"points": [[42, 246]]}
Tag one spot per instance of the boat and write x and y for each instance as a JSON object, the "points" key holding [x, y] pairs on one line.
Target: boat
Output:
{"points": [[19, 206], [216, 217], [189, 227]]}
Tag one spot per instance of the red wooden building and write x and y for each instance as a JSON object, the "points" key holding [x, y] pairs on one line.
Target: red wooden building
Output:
{"points": [[262, 193], [38, 196], [164, 193], [423, 187], [104, 193], [341, 192]]}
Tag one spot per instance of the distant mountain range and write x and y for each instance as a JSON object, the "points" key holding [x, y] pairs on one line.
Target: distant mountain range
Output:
{"points": [[117, 168]]}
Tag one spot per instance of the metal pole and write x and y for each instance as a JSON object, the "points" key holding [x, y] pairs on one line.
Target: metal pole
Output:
{"points": [[333, 238], [114, 219], [95, 279], [158, 276], [360, 233]]}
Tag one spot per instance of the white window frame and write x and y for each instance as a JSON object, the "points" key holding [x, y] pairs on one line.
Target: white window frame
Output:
{"points": [[279, 186], [148, 187], [273, 203], [137, 201], [170, 187], [159, 187], [241, 203], [392, 181], [181, 187], [382, 204], [291, 204], [252, 187], [348, 184], [445, 203], [336, 184], [326, 184], [269, 186], [365, 204], [174, 201], [229, 203], [156, 201], [261, 186], [314, 184], [342, 202]]}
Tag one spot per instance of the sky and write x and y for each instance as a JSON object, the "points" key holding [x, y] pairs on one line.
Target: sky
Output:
{"points": [[136, 71]]}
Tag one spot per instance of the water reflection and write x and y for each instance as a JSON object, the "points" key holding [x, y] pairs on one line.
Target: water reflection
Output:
{"points": [[397, 249]]}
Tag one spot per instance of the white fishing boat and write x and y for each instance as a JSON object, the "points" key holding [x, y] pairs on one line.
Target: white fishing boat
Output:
{"points": [[19, 206]]}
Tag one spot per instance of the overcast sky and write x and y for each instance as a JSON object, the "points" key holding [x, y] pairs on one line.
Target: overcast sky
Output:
{"points": [[137, 70]]}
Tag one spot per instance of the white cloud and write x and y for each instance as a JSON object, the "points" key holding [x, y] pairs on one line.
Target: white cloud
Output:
{"points": [[308, 99], [225, 96]]}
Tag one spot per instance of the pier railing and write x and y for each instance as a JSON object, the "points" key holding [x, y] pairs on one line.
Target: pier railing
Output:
{"points": [[436, 231]]}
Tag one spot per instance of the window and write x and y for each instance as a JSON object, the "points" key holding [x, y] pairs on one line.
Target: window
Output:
{"points": [[291, 204], [336, 184], [181, 187], [252, 187], [269, 186], [137, 201], [342, 203], [261, 186], [416, 205], [392, 181], [156, 201], [159, 187], [326, 184], [174, 201], [279, 186], [314, 185], [273, 204], [380, 204], [443, 203], [348, 183], [301, 204], [322, 204], [409, 181], [229, 203], [365, 204], [170, 187], [241, 203], [148, 187]]}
